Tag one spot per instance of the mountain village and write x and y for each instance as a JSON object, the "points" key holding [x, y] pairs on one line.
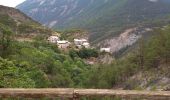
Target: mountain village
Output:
{"points": [[85, 50], [78, 43]]}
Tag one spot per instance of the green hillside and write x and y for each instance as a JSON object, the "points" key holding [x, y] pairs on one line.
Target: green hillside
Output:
{"points": [[36, 63], [40, 64], [21, 25]]}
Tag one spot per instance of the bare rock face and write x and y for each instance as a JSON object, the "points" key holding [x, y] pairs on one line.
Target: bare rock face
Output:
{"points": [[127, 38]]}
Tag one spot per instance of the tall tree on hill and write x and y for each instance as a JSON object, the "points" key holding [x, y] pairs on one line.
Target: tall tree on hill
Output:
{"points": [[141, 53]]}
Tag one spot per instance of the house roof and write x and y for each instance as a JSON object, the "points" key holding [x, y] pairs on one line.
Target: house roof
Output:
{"points": [[105, 49], [86, 43], [79, 40], [62, 42], [53, 37]]}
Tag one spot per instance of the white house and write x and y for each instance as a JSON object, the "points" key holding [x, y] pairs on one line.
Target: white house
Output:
{"points": [[53, 39], [81, 43], [63, 44], [84, 40], [77, 41], [107, 50], [86, 45]]}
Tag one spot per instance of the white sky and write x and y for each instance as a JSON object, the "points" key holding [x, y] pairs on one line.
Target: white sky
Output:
{"points": [[11, 3]]}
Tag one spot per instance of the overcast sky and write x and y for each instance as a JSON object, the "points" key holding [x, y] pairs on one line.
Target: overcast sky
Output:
{"points": [[11, 3]]}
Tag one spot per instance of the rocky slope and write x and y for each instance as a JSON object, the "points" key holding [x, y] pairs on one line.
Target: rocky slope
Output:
{"points": [[126, 39], [153, 79]]}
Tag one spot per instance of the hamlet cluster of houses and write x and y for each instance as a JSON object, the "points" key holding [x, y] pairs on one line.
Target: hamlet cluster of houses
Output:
{"points": [[79, 43], [64, 44]]}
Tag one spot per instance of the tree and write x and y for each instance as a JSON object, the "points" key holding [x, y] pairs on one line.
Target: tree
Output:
{"points": [[6, 38], [73, 54], [87, 53], [141, 53], [158, 49]]}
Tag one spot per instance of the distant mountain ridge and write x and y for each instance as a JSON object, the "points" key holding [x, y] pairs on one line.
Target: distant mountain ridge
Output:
{"points": [[103, 18], [58, 11]]}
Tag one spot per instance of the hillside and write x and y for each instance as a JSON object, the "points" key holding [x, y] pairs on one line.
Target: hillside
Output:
{"points": [[28, 60], [40, 64], [103, 18], [144, 68], [20, 24]]}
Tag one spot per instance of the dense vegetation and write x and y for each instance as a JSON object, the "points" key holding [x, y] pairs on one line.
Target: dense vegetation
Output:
{"points": [[37, 64], [84, 53], [40, 64]]}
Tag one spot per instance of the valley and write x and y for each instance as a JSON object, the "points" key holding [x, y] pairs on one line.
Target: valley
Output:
{"points": [[99, 44]]}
